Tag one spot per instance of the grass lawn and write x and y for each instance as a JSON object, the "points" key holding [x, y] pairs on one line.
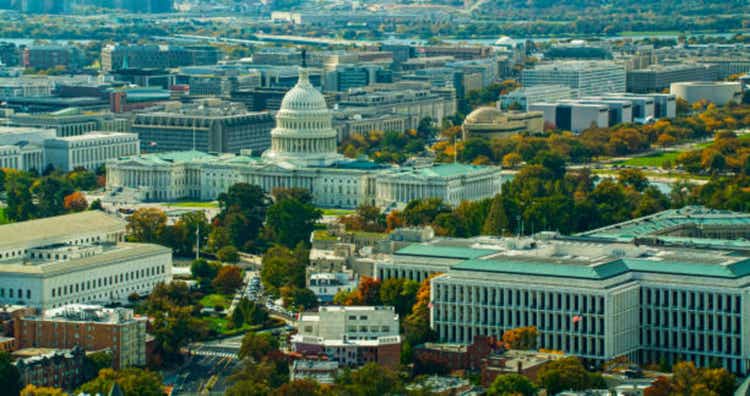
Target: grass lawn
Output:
{"points": [[3, 219], [212, 300], [221, 326], [194, 204], [655, 159], [652, 33], [337, 212]]}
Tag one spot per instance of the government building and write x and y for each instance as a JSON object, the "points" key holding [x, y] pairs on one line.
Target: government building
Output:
{"points": [[303, 154], [671, 286], [76, 259]]}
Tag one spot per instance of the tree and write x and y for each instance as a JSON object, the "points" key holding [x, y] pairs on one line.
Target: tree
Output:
{"points": [[10, 379], [20, 202], [564, 374], [256, 346], [203, 270], [399, 293], [76, 202], [243, 209], [660, 387], [228, 254], [95, 362], [228, 279], [248, 312], [219, 238], [300, 387], [521, 338], [370, 380], [132, 381], [147, 225], [290, 221], [283, 267], [511, 384], [300, 297], [49, 193], [96, 205], [496, 222], [417, 324], [368, 291], [33, 390], [633, 178]]}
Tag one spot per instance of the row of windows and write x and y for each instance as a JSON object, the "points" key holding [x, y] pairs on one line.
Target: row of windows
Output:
{"points": [[692, 342], [521, 298], [107, 281], [691, 321], [691, 300], [588, 324], [18, 294]]}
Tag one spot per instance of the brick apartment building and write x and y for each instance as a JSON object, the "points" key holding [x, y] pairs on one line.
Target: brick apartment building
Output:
{"points": [[458, 356], [56, 368], [92, 328]]}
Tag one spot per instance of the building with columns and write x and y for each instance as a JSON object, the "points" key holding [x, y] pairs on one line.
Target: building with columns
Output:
{"points": [[670, 286], [25, 157], [303, 154], [90, 150], [76, 259]]}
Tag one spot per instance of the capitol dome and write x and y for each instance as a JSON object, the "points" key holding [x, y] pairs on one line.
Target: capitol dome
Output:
{"points": [[304, 134]]}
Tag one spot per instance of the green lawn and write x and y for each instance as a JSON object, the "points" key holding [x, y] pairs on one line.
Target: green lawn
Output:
{"points": [[221, 326], [212, 300], [194, 204], [337, 212], [655, 159]]}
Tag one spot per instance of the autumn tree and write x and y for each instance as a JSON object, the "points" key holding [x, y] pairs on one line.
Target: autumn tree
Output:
{"points": [[521, 338], [33, 390], [147, 225], [75, 202], [228, 279], [132, 381], [417, 324]]}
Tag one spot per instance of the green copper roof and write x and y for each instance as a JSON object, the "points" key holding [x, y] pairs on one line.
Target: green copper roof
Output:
{"points": [[539, 268], [444, 170], [452, 252], [606, 270]]}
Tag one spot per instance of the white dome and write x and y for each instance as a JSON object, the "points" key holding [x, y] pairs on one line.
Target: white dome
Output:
{"points": [[303, 96], [304, 133]]}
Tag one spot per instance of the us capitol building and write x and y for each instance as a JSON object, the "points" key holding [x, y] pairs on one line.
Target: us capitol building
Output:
{"points": [[303, 154]]}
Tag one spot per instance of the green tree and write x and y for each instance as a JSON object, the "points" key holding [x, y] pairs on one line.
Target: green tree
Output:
{"points": [[10, 379], [300, 387], [132, 381], [424, 211], [290, 221], [300, 297], [243, 209], [370, 380], [20, 202], [633, 178], [496, 222], [95, 362], [204, 270], [256, 346], [564, 374], [228, 254], [281, 267], [512, 384], [49, 193], [399, 293]]}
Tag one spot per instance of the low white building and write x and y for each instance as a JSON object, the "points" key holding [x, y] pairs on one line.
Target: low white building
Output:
{"points": [[76, 258], [351, 336], [716, 92], [325, 285], [25, 157], [90, 150]]}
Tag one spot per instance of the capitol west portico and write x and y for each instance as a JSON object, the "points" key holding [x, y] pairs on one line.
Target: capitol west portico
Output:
{"points": [[303, 155]]}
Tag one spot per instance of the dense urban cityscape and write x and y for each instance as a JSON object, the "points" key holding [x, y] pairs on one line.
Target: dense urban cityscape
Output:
{"points": [[370, 198]]}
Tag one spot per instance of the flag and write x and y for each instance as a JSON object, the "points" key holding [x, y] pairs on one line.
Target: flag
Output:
{"points": [[430, 305], [577, 318]]}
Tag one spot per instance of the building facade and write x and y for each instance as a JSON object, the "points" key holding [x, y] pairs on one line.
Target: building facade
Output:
{"points": [[76, 258], [351, 336], [62, 368], [303, 154], [211, 126], [92, 328], [588, 78], [91, 150]]}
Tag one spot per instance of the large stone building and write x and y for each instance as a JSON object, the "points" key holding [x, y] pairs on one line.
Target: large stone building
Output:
{"points": [[302, 154], [92, 328], [72, 121], [90, 150], [209, 126], [116, 57], [668, 286], [351, 336], [586, 77], [76, 258]]}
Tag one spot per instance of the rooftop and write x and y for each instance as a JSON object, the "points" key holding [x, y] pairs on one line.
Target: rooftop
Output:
{"points": [[58, 229]]}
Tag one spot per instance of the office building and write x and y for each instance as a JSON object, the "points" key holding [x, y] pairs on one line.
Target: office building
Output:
{"points": [[90, 327], [325, 285], [351, 336], [657, 78], [71, 121], [577, 50], [586, 77], [489, 122], [90, 151], [521, 98], [716, 92], [572, 116], [10, 55], [25, 87], [620, 110], [278, 56], [56, 368], [433, 103], [463, 52], [23, 156], [45, 57], [15, 135], [303, 154], [348, 122], [76, 258], [118, 56], [210, 126]]}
